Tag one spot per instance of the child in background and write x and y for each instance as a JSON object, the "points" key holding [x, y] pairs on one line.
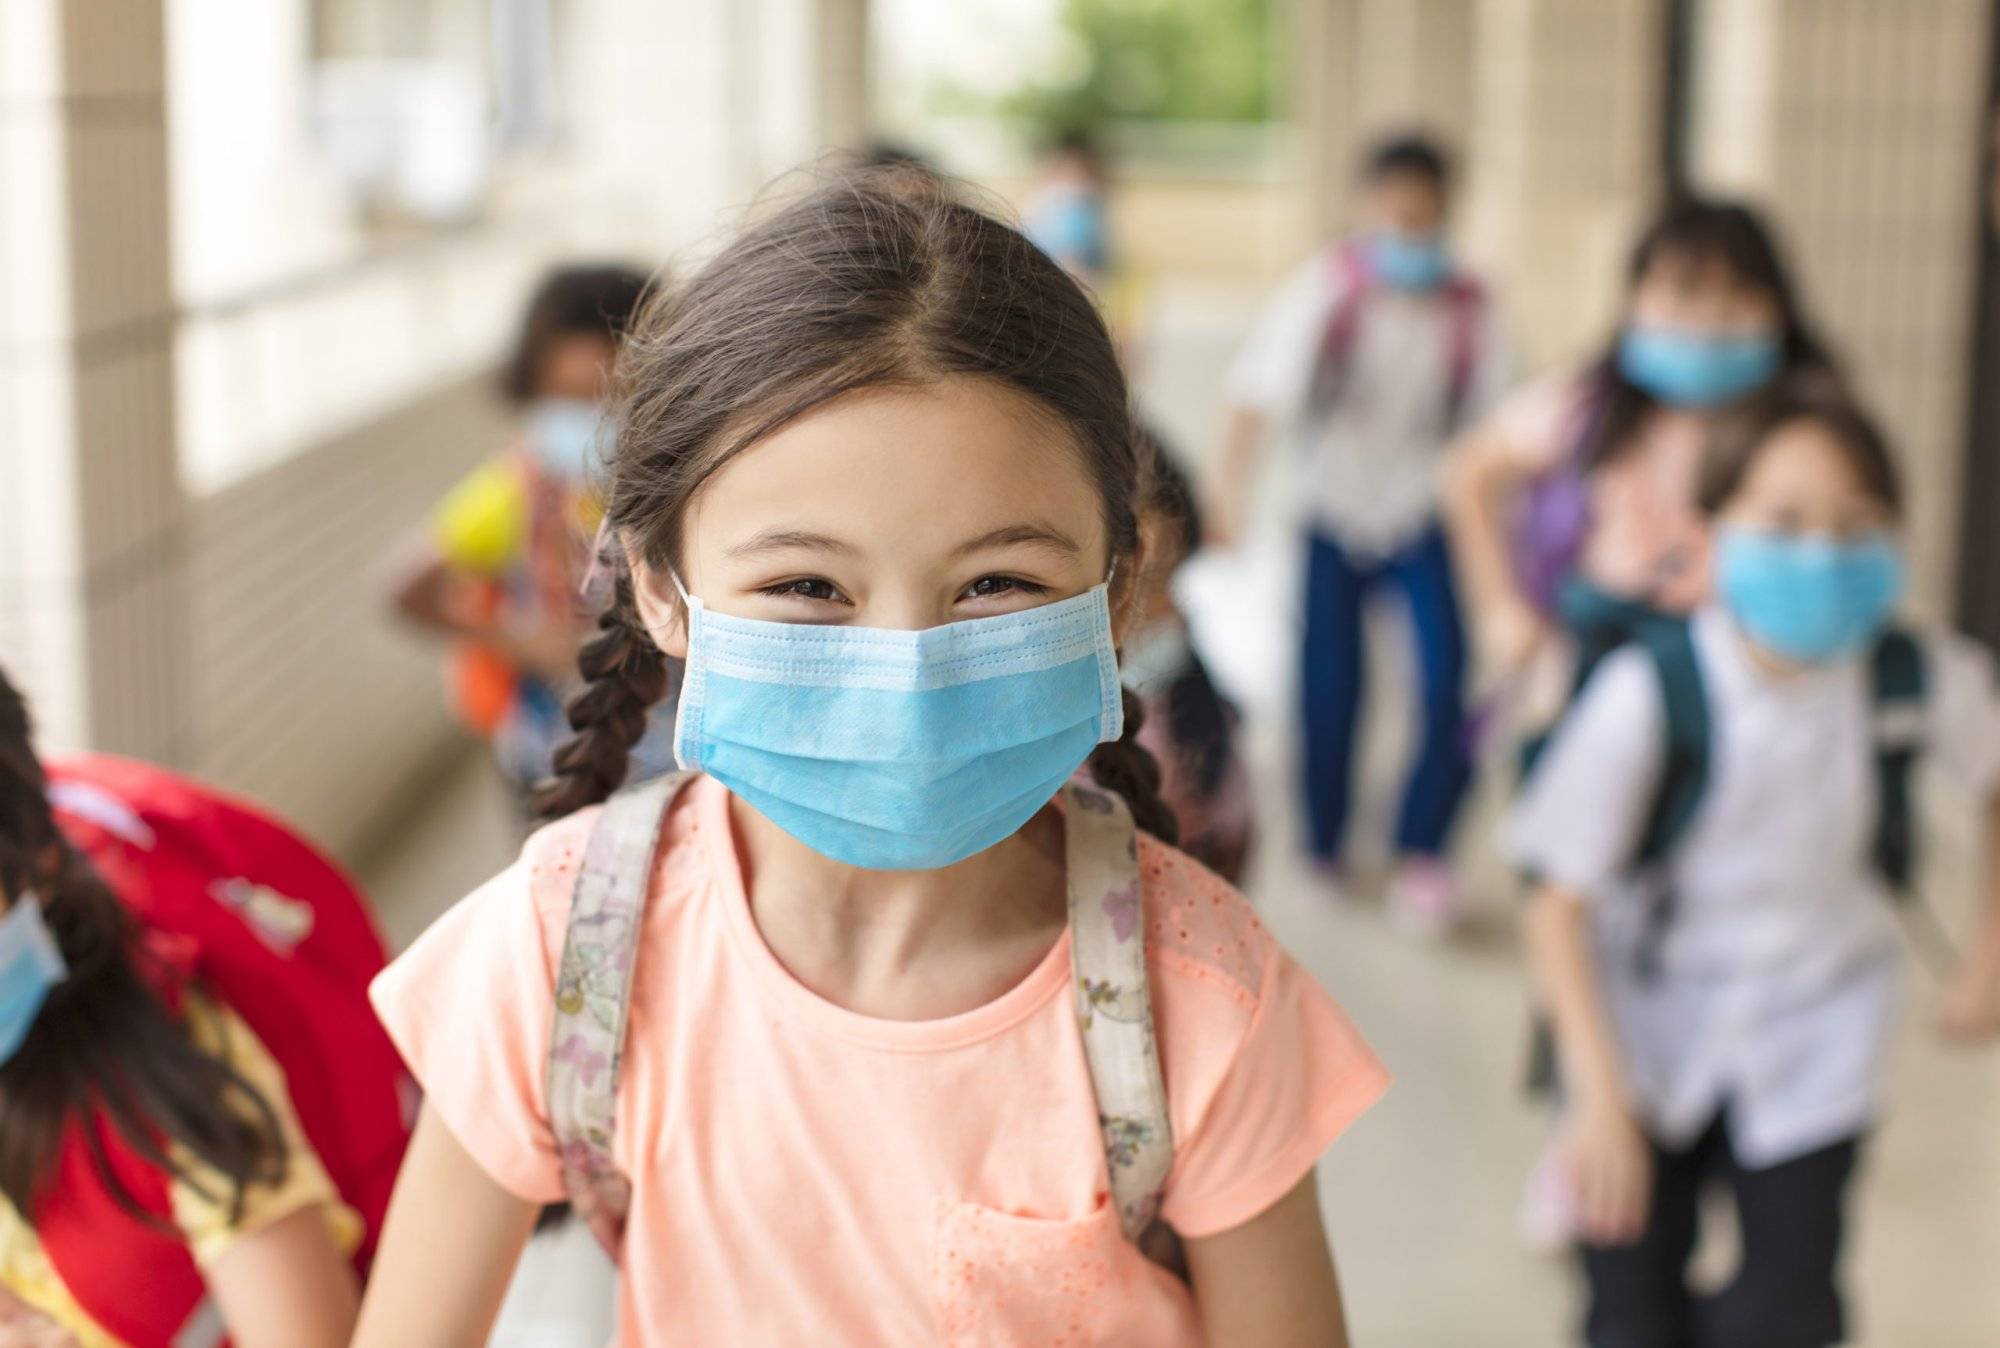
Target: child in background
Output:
{"points": [[1573, 505], [1368, 358], [502, 570], [200, 1120], [893, 528], [1190, 728], [1718, 827], [1065, 214]]}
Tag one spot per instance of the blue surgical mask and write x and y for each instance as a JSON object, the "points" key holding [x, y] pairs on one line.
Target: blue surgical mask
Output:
{"points": [[30, 965], [894, 750], [1407, 261], [1808, 599], [568, 435], [1697, 371]]}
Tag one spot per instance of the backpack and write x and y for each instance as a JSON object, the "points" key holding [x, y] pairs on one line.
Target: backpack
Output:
{"points": [[238, 906], [1897, 689], [1114, 1010], [1898, 686], [1465, 305]]}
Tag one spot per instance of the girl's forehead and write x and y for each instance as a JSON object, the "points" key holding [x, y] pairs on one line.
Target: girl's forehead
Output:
{"points": [[1803, 458], [932, 460]]}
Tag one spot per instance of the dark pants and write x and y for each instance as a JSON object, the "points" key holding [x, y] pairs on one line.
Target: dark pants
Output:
{"points": [[1337, 588], [1784, 1295]]}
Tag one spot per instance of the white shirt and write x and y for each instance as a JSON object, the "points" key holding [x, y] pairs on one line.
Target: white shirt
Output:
{"points": [[1779, 968], [1374, 458]]}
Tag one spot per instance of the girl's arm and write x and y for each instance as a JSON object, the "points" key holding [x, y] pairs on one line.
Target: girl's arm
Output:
{"points": [[286, 1285], [1971, 1010], [1609, 1159], [1269, 1283], [448, 1250], [1483, 473]]}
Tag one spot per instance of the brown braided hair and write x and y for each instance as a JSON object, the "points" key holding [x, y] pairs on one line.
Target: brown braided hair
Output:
{"points": [[875, 279]]}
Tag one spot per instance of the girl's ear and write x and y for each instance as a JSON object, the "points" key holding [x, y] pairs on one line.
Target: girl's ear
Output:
{"points": [[1130, 588], [661, 612]]}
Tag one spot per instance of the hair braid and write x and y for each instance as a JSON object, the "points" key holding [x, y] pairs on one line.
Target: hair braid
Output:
{"points": [[1128, 768], [624, 673]]}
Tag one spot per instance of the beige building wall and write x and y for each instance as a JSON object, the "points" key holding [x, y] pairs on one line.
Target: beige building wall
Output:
{"points": [[92, 520], [1858, 124]]}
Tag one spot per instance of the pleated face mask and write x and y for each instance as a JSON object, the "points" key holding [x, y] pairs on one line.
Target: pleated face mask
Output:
{"points": [[895, 750]]}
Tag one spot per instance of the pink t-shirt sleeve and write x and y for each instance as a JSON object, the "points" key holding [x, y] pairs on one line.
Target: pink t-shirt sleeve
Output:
{"points": [[1263, 1069], [469, 1007]]}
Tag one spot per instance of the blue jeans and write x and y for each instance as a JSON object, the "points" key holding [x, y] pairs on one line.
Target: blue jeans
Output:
{"points": [[1337, 588]]}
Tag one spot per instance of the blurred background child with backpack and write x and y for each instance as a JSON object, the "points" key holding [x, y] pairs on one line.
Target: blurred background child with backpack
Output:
{"points": [[200, 1118], [1367, 359], [1721, 826], [501, 572]]}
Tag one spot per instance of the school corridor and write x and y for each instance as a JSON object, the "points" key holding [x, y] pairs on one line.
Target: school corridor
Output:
{"points": [[260, 266]]}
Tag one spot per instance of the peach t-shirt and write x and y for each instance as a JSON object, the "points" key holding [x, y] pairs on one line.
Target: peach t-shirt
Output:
{"points": [[805, 1174]]}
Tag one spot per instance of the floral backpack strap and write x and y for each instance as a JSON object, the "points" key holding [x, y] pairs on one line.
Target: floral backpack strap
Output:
{"points": [[1114, 1009], [593, 991]]}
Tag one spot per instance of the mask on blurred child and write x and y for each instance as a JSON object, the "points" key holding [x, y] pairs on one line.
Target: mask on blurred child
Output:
{"points": [[1809, 599], [568, 435], [1407, 261], [1695, 370], [30, 965]]}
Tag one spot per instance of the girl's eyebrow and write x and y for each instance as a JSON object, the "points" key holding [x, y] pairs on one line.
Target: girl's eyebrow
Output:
{"points": [[781, 540], [1034, 535]]}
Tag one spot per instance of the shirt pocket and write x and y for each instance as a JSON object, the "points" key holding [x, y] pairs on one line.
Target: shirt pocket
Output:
{"points": [[1002, 1280]]}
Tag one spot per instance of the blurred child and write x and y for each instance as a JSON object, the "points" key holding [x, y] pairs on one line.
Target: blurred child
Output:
{"points": [[1721, 828], [502, 569], [1190, 728], [200, 1120], [1573, 506], [1065, 212], [1368, 358], [849, 1041]]}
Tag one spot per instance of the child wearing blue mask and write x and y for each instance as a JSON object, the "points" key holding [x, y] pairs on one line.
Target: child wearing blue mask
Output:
{"points": [[1720, 828], [1572, 508], [500, 569], [848, 1036], [1368, 359]]}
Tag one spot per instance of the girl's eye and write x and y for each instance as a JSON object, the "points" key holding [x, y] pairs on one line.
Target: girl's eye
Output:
{"points": [[992, 587], [806, 587]]}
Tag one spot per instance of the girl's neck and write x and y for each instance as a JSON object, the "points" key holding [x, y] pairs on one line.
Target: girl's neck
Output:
{"points": [[905, 945]]}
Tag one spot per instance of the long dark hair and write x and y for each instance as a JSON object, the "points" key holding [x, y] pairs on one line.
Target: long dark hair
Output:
{"points": [[105, 1045], [1701, 230], [869, 281], [574, 301]]}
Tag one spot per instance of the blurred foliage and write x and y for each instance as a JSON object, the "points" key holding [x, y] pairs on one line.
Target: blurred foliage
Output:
{"points": [[1152, 60]]}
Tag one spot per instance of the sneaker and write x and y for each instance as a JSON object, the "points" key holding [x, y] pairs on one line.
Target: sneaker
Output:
{"points": [[1424, 899]]}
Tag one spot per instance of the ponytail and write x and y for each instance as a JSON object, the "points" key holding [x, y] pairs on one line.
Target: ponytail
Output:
{"points": [[1128, 768], [624, 674]]}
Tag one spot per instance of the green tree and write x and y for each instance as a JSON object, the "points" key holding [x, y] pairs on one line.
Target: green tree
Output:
{"points": [[1168, 60]]}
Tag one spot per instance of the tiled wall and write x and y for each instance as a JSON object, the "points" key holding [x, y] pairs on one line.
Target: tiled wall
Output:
{"points": [[1859, 124]]}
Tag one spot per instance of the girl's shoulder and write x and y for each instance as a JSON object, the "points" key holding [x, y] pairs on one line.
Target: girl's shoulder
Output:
{"points": [[1199, 929]]}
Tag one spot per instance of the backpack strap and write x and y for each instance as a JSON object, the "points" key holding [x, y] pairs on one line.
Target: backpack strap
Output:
{"points": [[593, 994], [1669, 642], [1114, 1011], [1343, 328], [1898, 685], [1465, 302]]}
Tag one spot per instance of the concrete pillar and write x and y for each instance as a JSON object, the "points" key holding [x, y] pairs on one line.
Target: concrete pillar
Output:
{"points": [[1364, 67], [1564, 157], [92, 604], [1858, 124]]}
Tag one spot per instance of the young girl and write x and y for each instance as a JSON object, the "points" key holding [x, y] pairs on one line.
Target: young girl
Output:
{"points": [[1573, 504], [159, 1187], [499, 571], [1721, 1011], [876, 480]]}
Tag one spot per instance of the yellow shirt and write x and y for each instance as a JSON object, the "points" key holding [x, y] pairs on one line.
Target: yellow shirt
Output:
{"points": [[206, 1223]]}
